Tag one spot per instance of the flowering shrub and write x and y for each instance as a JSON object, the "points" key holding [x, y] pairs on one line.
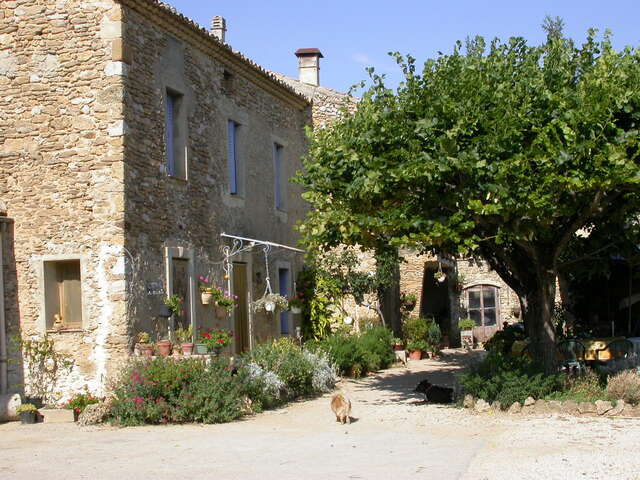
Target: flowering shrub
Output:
{"points": [[164, 390], [216, 338]]}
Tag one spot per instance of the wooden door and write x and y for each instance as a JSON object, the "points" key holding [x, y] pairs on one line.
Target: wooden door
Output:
{"points": [[241, 312]]}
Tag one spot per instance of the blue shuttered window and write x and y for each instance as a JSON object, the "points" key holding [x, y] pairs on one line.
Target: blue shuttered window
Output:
{"points": [[278, 172], [170, 132], [232, 158]]}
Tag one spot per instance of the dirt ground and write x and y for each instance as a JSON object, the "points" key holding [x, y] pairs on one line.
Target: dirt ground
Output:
{"points": [[393, 434]]}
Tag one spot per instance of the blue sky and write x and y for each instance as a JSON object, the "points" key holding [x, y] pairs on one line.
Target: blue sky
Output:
{"points": [[354, 34]]}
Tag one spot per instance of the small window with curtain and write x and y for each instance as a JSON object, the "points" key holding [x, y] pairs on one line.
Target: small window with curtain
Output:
{"points": [[232, 157], [482, 305], [279, 177], [63, 294]]}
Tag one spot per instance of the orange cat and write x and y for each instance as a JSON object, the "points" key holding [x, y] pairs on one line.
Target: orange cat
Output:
{"points": [[341, 407]]}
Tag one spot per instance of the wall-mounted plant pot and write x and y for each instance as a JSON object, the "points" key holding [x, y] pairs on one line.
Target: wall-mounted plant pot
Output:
{"points": [[28, 418], [206, 298], [164, 348], [187, 348], [165, 311]]}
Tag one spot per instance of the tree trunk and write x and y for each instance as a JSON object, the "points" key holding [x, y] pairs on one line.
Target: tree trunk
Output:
{"points": [[537, 312], [389, 300]]}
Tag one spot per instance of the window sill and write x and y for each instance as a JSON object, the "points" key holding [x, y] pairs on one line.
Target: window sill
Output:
{"points": [[179, 179], [66, 330]]}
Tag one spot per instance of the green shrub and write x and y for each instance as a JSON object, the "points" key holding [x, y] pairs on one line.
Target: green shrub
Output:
{"points": [[585, 388], [287, 360], [356, 354], [345, 352], [503, 340], [625, 385], [434, 337], [416, 329], [507, 380]]}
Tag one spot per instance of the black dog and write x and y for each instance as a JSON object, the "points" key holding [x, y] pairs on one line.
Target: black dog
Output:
{"points": [[434, 393]]}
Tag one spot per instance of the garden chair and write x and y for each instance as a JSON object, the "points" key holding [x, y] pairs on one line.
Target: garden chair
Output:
{"points": [[571, 356]]}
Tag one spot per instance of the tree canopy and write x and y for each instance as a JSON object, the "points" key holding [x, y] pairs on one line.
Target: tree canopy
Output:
{"points": [[505, 150]]}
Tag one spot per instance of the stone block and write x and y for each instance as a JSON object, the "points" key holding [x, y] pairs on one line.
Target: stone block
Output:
{"points": [[570, 407], [57, 415], [617, 409], [482, 406], [603, 406], [587, 408], [515, 408], [555, 406], [469, 401], [529, 401], [540, 407]]}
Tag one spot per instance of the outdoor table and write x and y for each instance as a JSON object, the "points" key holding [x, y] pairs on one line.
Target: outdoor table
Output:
{"points": [[592, 345]]}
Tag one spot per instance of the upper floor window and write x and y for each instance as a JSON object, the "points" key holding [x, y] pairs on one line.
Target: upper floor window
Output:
{"points": [[175, 135], [482, 305], [232, 154], [280, 183]]}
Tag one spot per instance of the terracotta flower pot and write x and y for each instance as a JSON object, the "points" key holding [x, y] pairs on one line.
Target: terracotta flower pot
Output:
{"points": [[145, 349], [415, 354], [187, 348], [206, 297], [164, 348], [398, 347]]}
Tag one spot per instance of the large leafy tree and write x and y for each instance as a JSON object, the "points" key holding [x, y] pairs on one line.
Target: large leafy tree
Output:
{"points": [[503, 150]]}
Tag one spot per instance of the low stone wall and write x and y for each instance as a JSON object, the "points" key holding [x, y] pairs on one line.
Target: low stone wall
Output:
{"points": [[599, 408]]}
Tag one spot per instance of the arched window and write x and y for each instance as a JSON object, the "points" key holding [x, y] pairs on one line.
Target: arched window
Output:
{"points": [[482, 305]]}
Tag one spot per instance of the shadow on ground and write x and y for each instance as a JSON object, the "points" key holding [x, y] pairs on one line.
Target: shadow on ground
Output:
{"points": [[397, 384]]}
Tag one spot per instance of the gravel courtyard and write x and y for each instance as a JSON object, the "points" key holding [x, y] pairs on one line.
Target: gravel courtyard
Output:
{"points": [[394, 434]]}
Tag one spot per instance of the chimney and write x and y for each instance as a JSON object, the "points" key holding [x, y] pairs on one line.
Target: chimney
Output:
{"points": [[309, 65], [219, 27]]}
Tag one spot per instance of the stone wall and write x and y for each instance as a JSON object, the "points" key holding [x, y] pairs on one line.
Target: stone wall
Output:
{"points": [[61, 168], [163, 211], [82, 168]]}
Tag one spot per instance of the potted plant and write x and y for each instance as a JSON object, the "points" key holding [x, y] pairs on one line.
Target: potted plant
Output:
{"points": [[408, 301], [416, 348], [434, 339], [398, 343], [466, 332], [416, 332], [174, 303], [79, 402], [144, 347], [440, 276], [225, 301], [295, 305], [216, 340], [184, 336], [28, 412], [206, 290], [164, 347], [270, 303]]}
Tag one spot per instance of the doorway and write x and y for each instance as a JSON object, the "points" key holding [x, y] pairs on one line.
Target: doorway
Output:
{"points": [[241, 312], [436, 301]]}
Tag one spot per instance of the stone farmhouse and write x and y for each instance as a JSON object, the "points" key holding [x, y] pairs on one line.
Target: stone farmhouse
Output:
{"points": [[131, 139], [467, 289]]}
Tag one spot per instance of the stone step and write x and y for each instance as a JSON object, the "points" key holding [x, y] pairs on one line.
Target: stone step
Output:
{"points": [[57, 415]]}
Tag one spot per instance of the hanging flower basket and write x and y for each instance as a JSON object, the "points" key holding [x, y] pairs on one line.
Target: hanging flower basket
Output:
{"points": [[270, 303], [206, 297]]}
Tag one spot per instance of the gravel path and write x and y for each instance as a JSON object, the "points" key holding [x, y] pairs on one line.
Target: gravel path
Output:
{"points": [[394, 434]]}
